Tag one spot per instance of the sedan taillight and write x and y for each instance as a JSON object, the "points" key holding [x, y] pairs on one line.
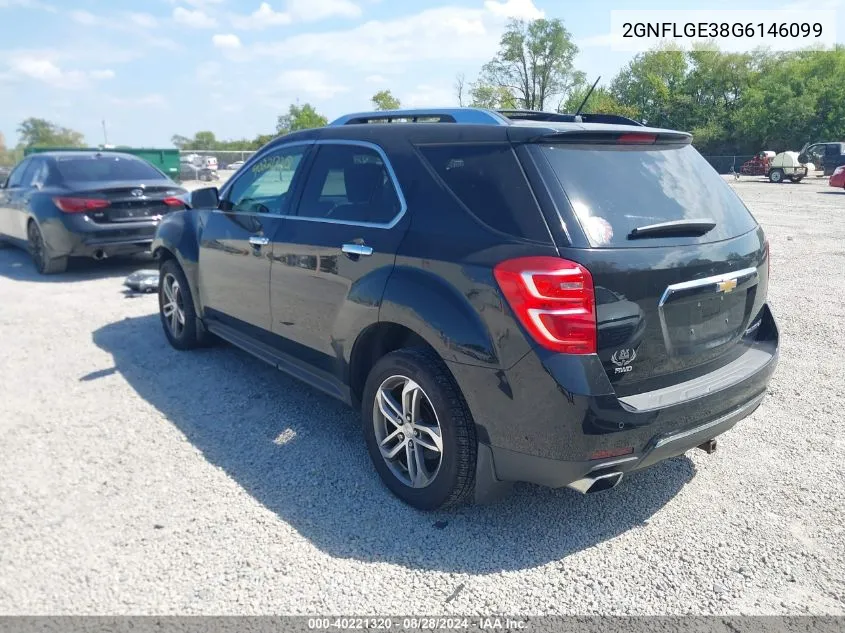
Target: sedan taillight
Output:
{"points": [[554, 300], [79, 205]]}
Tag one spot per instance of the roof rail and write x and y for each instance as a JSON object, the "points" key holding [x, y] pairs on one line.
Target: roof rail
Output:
{"points": [[473, 116], [556, 117]]}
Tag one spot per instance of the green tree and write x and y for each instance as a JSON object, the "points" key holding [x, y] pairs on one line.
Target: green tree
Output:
{"points": [[43, 133], [298, 117], [483, 95], [205, 140], [534, 63], [384, 100], [653, 84], [601, 101], [182, 142]]}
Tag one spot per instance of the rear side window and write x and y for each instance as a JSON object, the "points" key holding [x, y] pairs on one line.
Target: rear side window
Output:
{"points": [[614, 189], [488, 180], [105, 167], [16, 177]]}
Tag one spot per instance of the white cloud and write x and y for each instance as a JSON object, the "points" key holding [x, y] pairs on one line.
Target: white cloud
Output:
{"points": [[519, 9], [84, 17], [144, 20], [27, 4], [194, 19], [227, 40], [201, 4], [150, 100], [47, 71], [263, 17], [375, 79], [444, 33], [425, 95], [311, 83], [312, 10]]}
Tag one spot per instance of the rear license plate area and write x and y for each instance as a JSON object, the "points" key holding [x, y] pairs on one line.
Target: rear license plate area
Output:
{"points": [[704, 321]]}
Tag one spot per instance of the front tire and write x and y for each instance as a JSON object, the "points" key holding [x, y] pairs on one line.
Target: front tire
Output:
{"points": [[796, 179], [176, 307], [419, 430], [776, 175], [40, 254]]}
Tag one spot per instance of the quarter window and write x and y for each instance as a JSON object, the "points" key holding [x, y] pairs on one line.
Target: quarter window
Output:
{"points": [[16, 177], [349, 183], [264, 187]]}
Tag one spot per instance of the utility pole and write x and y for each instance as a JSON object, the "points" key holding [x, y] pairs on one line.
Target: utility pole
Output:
{"points": [[105, 134]]}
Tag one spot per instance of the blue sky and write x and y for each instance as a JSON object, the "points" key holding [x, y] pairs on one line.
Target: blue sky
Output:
{"points": [[153, 68]]}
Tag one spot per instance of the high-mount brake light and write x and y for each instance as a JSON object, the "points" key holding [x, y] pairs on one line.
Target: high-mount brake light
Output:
{"points": [[554, 300], [636, 139], [80, 205]]}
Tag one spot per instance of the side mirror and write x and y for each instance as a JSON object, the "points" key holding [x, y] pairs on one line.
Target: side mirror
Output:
{"points": [[205, 198]]}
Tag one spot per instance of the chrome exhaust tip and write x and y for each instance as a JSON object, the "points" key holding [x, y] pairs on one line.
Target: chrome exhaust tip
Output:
{"points": [[596, 483]]}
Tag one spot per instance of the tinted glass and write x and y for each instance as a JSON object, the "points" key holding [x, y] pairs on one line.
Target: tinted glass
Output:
{"points": [[349, 183], [36, 173], [615, 189], [264, 186], [16, 177], [490, 183], [104, 167]]}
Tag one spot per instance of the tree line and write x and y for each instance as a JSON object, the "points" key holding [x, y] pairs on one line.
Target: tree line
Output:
{"points": [[733, 103]]}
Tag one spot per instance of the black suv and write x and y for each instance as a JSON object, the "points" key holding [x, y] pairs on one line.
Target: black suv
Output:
{"points": [[506, 297]]}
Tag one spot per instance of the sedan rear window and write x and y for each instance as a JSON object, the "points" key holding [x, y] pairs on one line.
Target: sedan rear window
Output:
{"points": [[105, 167], [615, 189]]}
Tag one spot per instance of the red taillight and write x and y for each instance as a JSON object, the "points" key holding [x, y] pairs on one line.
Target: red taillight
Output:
{"points": [[174, 202], [553, 298], [636, 139], [80, 205], [612, 452]]}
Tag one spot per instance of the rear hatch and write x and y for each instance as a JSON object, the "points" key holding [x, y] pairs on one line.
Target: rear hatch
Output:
{"points": [[679, 265]]}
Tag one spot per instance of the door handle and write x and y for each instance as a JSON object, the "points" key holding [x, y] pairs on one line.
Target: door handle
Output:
{"points": [[256, 240], [357, 249]]}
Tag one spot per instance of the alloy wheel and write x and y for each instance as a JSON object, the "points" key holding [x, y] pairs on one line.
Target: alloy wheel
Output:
{"points": [[173, 308], [407, 431]]}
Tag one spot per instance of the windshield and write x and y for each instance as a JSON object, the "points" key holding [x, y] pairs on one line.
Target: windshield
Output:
{"points": [[104, 167], [615, 189]]}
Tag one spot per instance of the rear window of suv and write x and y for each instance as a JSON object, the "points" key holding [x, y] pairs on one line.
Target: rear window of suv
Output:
{"points": [[615, 189], [105, 167]]}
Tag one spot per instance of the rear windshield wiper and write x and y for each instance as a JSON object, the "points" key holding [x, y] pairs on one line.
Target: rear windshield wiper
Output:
{"points": [[698, 226]]}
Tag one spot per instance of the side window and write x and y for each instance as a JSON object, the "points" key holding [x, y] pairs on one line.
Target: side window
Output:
{"points": [[488, 180], [349, 183], [16, 177], [264, 187]]}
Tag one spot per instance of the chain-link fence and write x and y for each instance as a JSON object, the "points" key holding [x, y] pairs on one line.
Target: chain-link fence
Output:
{"points": [[727, 164], [224, 157]]}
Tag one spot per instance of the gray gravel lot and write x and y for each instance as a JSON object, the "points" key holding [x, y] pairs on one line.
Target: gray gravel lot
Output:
{"points": [[137, 479]]}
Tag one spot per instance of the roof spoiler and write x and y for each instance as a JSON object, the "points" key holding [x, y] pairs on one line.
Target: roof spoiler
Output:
{"points": [[561, 117]]}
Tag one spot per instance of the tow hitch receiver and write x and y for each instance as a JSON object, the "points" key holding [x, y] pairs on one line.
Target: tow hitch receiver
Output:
{"points": [[708, 447]]}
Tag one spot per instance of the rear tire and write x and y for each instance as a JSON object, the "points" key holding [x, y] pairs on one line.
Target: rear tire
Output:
{"points": [[428, 459], [776, 175], [40, 254], [176, 308], [796, 179]]}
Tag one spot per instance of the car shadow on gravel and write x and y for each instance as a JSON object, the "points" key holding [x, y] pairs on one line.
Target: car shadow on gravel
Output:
{"points": [[16, 264], [301, 454]]}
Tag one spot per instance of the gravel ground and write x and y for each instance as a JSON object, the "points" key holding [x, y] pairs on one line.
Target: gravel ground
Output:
{"points": [[137, 479]]}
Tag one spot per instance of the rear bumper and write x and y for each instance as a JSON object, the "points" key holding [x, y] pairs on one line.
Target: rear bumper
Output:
{"points": [[542, 423], [79, 236]]}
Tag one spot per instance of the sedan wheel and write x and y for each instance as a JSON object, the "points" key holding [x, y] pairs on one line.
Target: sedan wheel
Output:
{"points": [[407, 431], [44, 264]]}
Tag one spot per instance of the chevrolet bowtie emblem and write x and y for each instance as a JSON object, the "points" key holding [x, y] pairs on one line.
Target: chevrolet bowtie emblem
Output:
{"points": [[726, 286]]}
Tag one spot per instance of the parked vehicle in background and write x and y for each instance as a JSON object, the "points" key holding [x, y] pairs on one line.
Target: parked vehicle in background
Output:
{"points": [[788, 165], [86, 204], [189, 171], [4, 174], [235, 166], [472, 284], [837, 179], [825, 156]]}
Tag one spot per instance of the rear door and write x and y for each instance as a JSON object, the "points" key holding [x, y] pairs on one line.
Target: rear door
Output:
{"points": [[673, 301], [236, 244], [331, 265], [10, 198]]}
